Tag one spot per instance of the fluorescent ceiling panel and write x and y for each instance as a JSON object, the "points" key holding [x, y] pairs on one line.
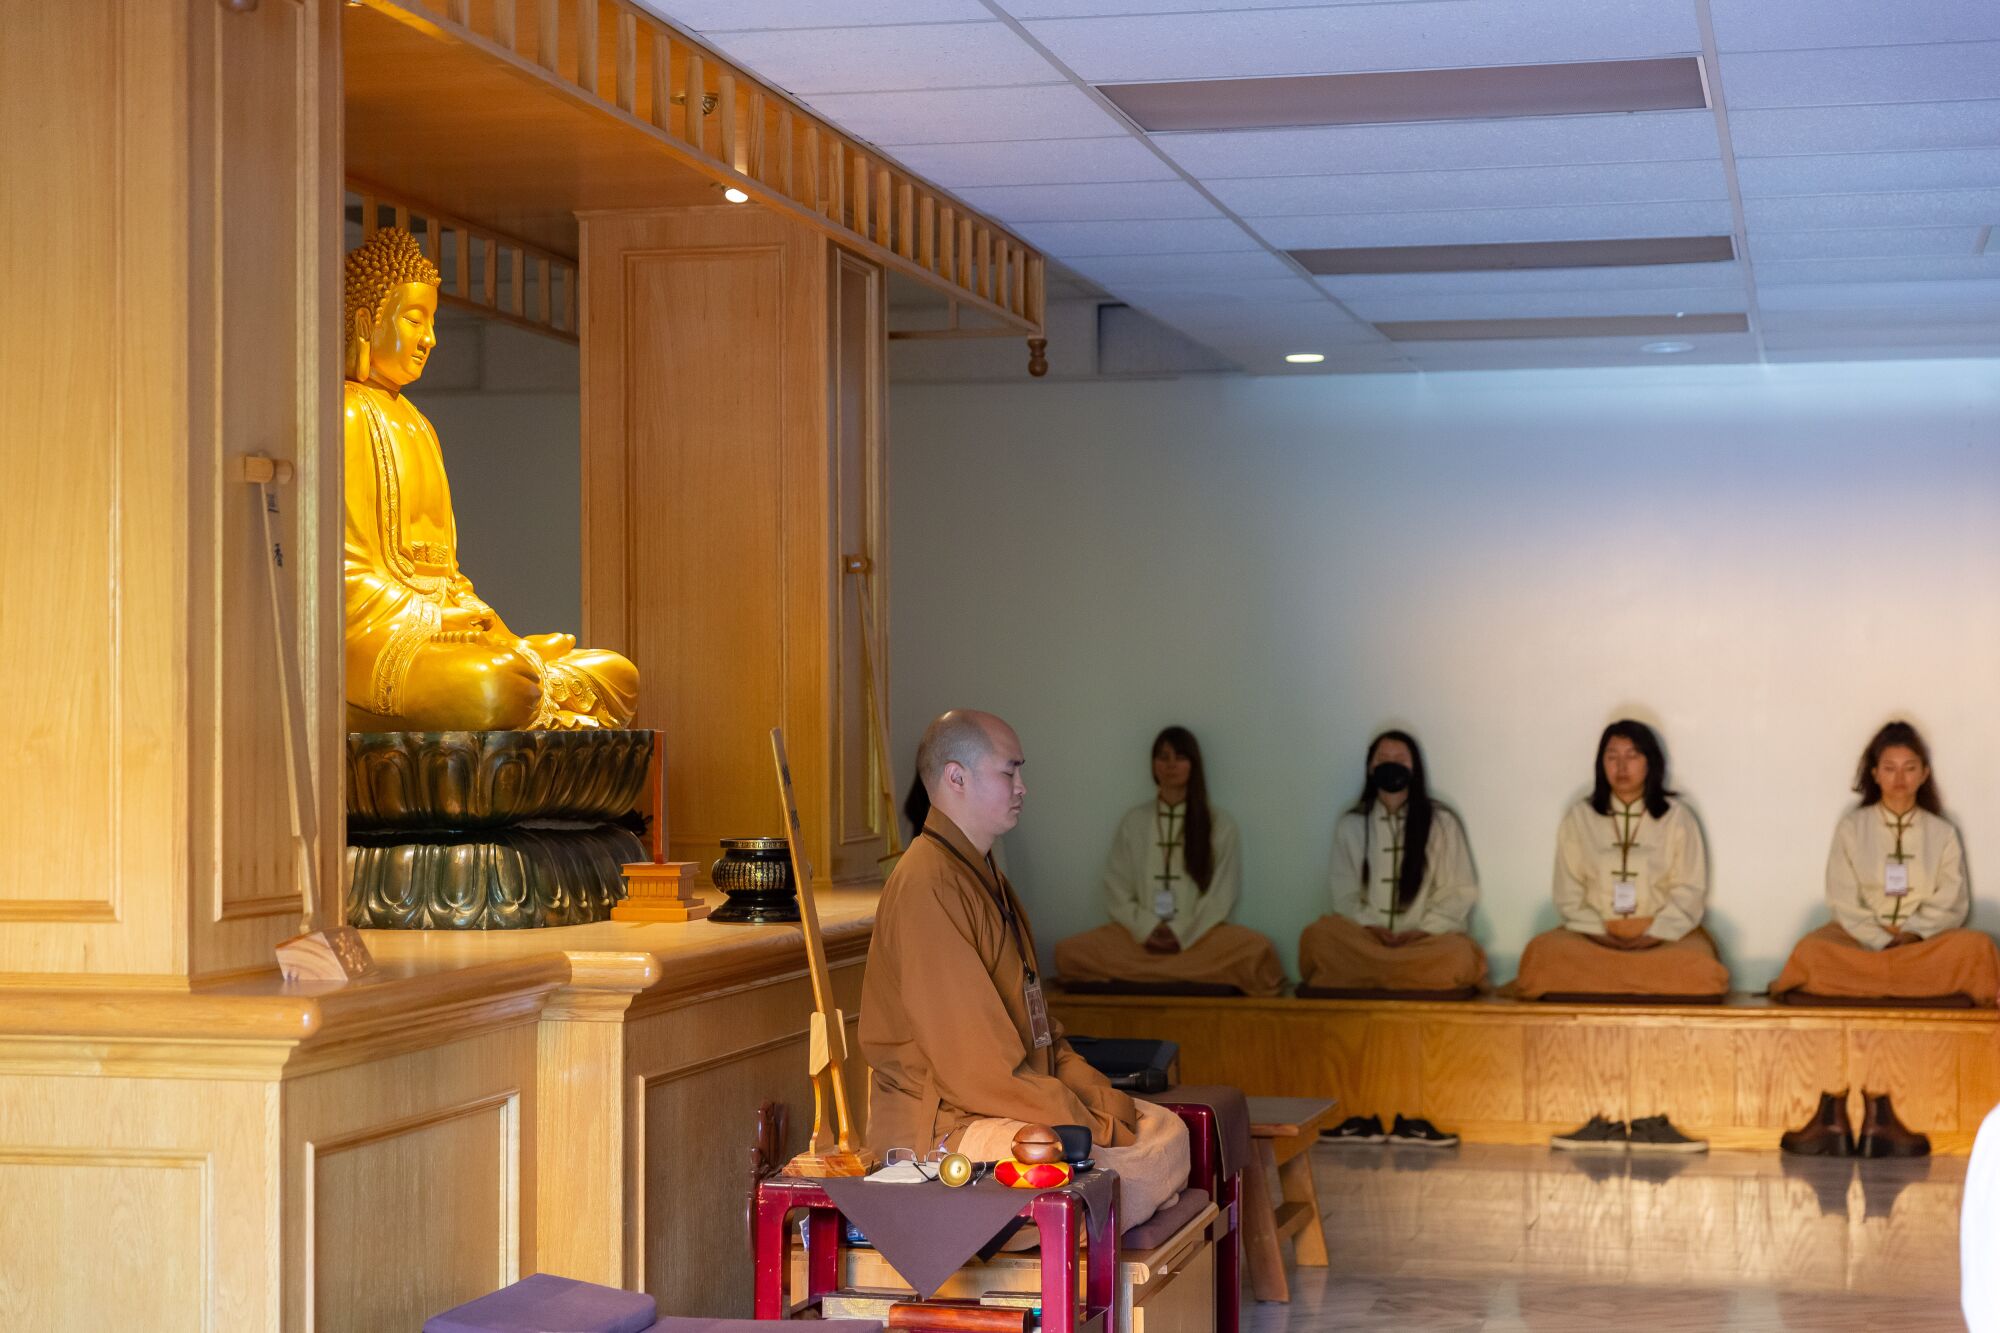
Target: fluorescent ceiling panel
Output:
{"points": [[1930, 208], [807, 61], [1090, 203], [719, 15], [1345, 39], [1537, 305], [1503, 187], [1861, 75], [1113, 269], [1331, 150], [1363, 285], [1034, 162], [1926, 268], [968, 115], [1587, 326], [1864, 129], [1079, 240], [1836, 173], [1526, 255], [1789, 25], [1862, 243], [1470, 227], [1576, 89]]}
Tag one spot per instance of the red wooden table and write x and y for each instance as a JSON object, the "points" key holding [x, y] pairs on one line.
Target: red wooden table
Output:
{"points": [[1060, 1215]]}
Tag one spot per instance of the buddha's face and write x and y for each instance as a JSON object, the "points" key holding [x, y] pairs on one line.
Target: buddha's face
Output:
{"points": [[404, 335]]}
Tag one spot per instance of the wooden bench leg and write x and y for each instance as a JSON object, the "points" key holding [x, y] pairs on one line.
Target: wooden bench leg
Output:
{"points": [[1260, 1229], [1302, 1204]]}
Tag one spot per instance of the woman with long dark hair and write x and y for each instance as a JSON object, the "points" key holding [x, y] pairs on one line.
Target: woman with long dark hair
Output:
{"points": [[1171, 880], [1403, 889], [1631, 884], [1895, 883]]}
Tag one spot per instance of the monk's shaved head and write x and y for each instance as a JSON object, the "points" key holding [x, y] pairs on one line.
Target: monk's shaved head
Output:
{"points": [[963, 736]]}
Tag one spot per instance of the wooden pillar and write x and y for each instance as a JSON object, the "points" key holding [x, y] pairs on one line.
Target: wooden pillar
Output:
{"points": [[733, 452], [171, 215]]}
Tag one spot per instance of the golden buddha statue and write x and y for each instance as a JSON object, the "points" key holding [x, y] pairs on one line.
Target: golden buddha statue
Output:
{"points": [[423, 652]]}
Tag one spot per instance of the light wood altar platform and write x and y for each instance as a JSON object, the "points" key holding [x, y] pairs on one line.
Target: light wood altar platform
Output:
{"points": [[1506, 1071], [259, 1155]]}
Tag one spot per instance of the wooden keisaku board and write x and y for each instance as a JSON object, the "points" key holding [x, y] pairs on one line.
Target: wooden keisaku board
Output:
{"points": [[1507, 1071]]}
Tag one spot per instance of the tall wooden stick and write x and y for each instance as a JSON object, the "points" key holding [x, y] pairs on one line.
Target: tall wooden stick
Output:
{"points": [[834, 1151]]}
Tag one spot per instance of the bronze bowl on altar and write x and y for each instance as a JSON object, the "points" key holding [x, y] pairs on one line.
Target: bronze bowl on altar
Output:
{"points": [[756, 873], [490, 830]]}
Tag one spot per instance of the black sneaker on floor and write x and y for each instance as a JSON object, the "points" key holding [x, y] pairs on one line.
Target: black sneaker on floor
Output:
{"points": [[1600, 1135], [1356, 1129], [1421, 1133], [1655, 1133]]}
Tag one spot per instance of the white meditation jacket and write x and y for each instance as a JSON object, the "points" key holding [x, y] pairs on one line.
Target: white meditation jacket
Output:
{"points": [[1146, 857], [1444, 900], [1662, 859], [1865, 844]]}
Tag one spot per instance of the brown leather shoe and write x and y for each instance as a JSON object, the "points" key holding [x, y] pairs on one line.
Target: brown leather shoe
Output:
{"points": [[1882, 1135], [1828, 1134]]}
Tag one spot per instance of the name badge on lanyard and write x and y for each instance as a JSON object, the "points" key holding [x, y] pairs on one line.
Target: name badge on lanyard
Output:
{"points": [[1625, 898], [1896, 878], [1163, 904], [1038, 1012]]}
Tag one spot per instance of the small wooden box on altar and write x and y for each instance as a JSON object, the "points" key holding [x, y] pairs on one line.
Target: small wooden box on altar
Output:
{"points": [[661, 891]]}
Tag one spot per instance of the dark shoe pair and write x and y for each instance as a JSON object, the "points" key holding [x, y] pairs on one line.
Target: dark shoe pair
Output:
{"points": [[1831, 1134], [1647, 1134], [1365, 1130]]}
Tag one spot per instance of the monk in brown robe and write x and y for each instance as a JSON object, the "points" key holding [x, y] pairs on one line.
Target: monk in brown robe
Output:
{"points": [[953, 1026]]}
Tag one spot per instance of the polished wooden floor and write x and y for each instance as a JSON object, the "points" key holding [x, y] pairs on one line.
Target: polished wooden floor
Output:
{"points": [[1488, 1238]]}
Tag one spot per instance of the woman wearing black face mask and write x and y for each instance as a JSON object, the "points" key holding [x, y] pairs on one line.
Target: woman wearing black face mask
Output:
{"points": [[1403, 889]]}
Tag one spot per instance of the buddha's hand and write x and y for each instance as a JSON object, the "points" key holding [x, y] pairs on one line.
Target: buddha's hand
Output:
{"points": [[472, 686], [549, 647]]}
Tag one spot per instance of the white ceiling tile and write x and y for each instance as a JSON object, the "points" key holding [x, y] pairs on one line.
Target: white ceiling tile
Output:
{"points": [[1090, 203], [1638, 278], [1552, 353], [1034, 162], [1926, 208], [1155, 270], [1079, 240], [1835, 173], [1790, 25], [1320, 322], [706, 16], [1507, 187], [806, 61], [1973, 298], [1963, 324], [1214, 291], [1444, 145], [1346, 38], [1783, 273], [1861, 75], [1538, 305], [1864, 129], [1872, 351], [1060, 9], [1476, 226], [1861, 243], [971, 115]]}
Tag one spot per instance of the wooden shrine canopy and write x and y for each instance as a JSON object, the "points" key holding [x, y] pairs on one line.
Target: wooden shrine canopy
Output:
{"points": [[520, 114]]}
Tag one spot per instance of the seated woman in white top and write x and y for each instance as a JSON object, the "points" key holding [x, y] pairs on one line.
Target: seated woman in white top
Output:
{"points": [[1403, 888], [1631, 883], [1169, 885], [1895, 882]]}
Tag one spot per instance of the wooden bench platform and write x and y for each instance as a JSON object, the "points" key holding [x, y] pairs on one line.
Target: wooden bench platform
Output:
{"points": [[1513, 1071]]}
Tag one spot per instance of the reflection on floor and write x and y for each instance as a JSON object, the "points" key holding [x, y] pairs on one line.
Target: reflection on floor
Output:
{"points": [[1486, 1238]]}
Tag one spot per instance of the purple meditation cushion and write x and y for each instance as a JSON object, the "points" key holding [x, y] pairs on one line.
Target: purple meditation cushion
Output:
{"points": [[545, 1303]]}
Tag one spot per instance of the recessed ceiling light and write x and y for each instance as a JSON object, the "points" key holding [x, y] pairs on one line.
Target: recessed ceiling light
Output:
{"points": [[735, 196], [1305, 358], [1666, 348]]}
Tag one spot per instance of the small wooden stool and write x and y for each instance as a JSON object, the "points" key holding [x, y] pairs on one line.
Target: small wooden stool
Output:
{"points": [[1284, 1130]]}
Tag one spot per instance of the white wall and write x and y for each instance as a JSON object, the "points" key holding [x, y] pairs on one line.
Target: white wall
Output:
{"points": [[1766, 563]]}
